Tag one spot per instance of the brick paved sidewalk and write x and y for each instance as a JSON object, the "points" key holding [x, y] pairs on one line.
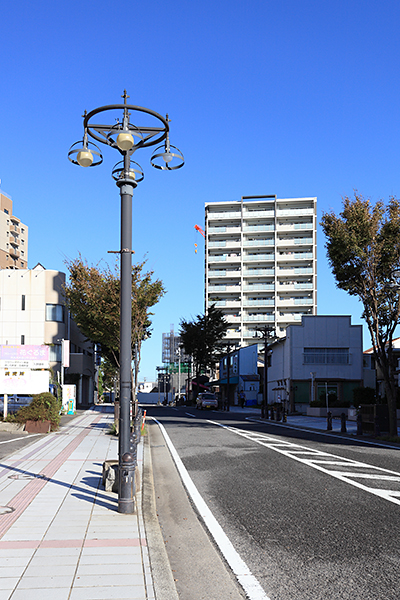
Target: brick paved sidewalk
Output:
{"points": [[60, 533]]}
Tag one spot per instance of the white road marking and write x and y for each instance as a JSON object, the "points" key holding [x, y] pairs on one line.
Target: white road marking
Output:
{"points": [[313, 458], [243, 574], [24, 437], [320, 432]]}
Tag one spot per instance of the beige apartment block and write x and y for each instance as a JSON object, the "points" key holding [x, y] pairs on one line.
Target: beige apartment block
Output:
{"points": [[13, 237], [261, 263], [33, 312]]}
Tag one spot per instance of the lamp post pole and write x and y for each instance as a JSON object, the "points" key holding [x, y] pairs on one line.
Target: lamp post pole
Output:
{"points": [[126, 138], [126, 192]]}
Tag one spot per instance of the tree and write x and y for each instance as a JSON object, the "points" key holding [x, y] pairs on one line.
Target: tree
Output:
{"points": [[201, 336], [93, 298], [363, 248]]}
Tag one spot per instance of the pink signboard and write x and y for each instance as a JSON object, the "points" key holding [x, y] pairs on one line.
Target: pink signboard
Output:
{"points": [[25, 353]]}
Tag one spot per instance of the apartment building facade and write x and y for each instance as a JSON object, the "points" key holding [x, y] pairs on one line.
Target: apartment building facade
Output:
{"points": [[13, 237], [33, 313], [261, 263]]}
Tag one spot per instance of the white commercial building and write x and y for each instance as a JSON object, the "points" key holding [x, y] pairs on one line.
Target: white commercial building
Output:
{"points": [[320, 358], [261, 263]]}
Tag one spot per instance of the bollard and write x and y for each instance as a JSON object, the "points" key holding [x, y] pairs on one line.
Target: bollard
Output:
{"points": [[126, 496], [329, 421], [359, 424], [272, 413], [343, 420], [377, 429], [284, 417], [278, 413]]}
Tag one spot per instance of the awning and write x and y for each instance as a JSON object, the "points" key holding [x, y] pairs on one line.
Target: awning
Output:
{"points": [[252, 377], [232, 381]]}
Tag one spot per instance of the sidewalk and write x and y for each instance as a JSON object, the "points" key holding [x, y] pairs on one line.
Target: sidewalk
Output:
{"points": [[60, 533], [317, 423]]}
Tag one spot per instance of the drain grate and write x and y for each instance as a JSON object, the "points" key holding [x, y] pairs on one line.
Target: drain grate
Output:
{"points": [[25, 476]]}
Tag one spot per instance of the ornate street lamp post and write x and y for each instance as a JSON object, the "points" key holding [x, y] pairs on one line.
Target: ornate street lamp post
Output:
{"points": [[126, 138]]}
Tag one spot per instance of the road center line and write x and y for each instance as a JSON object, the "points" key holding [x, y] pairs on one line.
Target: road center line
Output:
{"points": [[243, 574]]}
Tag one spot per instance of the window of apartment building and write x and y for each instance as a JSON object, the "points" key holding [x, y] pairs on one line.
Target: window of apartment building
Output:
{"points": [[7, 213], [55, 312], [22, 230], [55, 353], [23, 302], [326, 356]]}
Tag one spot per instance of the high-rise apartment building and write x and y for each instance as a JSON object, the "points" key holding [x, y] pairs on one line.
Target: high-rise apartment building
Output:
{"points": [[13, 237], [261, 263]]}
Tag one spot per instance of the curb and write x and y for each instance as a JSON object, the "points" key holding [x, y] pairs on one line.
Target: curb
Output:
{"points": [[163, 580]]}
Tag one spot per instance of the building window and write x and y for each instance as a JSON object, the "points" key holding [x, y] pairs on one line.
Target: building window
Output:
{"points": [[6, 211], [55, 353], [23, 302], [55, 312], [326, 356]]}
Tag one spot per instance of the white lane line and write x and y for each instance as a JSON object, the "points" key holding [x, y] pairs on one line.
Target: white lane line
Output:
{"points": [[24, 437], [294, 451], [188, 414], [243, 574], [320, 432]]}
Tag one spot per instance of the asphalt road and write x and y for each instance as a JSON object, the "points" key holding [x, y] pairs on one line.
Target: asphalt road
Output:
{"points": [[313, 516]]}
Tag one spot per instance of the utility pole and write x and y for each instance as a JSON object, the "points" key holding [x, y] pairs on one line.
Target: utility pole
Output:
{"points": [[266, 332]]}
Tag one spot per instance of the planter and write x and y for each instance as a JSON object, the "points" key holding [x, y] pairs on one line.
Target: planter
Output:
{"points": [[38, 426]]}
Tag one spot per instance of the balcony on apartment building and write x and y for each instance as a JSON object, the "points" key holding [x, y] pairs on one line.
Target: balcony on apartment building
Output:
{"points": [[293, 300], [228, 287], [225, 302], [15, 229], [258, 272], [259, 243], [290, 270], [294, 212], [294, 241], [289, 286], [227, 257], [289, 226], [213, 216], [262, 301], [257, 227], [258, 317], [292, 255], [224, 229], [259, 213], [225, 243], [14, 252], [259, 257], [258, 286]]}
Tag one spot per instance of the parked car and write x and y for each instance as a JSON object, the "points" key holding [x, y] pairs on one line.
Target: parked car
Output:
{"points": [[206, 400]]}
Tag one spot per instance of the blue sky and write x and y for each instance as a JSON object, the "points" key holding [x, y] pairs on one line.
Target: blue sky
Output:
{"points": [[293, 98]]}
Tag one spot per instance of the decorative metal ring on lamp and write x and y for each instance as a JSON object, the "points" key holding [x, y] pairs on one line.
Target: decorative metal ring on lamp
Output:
{"points": [[136, 174], [124, 138], [81, 153], [167, 156]]}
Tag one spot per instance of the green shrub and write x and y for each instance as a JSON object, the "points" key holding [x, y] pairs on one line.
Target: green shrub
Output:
{"points": [[363, 395], [44, 407]]}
